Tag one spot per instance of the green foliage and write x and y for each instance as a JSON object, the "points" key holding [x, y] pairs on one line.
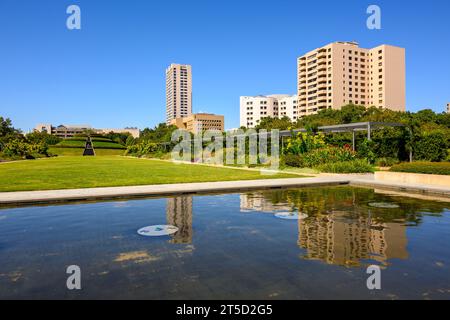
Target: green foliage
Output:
{"points": [[317, 157], [304, 142], [366, 150], [354, 166], [143, 148], [120, 138], [7, 132], [327, 155], [431, 146], [43, 137], [270, 123], [293, 160], [386, 162], [388, 142], [6, 127], [161, 133], [19, 148], [442, 168], [151, 141]]}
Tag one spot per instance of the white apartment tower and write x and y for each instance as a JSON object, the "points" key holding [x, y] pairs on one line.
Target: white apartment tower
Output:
{"points": [[178, 91], [342, 73], [254, 109]]}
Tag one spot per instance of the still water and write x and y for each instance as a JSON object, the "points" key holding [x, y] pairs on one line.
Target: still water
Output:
{"points": [[231, 246]]}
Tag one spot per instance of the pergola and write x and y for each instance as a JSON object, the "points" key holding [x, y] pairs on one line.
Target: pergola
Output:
{"points": [[350, 127], [339, 128]]}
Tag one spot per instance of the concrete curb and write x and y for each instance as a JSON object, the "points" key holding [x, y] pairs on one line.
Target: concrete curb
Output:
{"points": [[55, 196], [403, 187], [110, 193]]}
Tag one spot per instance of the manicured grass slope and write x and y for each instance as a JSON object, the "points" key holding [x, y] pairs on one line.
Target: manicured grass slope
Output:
{"points": [[90, 172], [79, 152], [69, 143]]}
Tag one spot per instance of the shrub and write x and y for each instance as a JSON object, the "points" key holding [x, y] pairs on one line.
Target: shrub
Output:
{"points": [[143, 148], [432, 146], [365, 150], [293, 160], [304, 142], [43, 137], [326, 155], [386, 162], [17, 148], [423, 167], [354, 166]]}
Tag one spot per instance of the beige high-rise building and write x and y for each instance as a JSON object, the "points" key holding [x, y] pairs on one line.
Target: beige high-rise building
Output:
{"points": [[178, 91], [200, 122], [342, 73], [179, 214]]}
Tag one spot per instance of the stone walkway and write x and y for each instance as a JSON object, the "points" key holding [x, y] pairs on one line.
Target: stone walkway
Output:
{"points": [[24, 197]]}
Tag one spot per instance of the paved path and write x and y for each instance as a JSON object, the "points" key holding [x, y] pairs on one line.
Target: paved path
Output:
{"points": [[36, 197], [13, 198]]}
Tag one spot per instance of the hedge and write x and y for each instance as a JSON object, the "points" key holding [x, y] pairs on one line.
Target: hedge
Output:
{"points": [[353, 166], [442, 168]]}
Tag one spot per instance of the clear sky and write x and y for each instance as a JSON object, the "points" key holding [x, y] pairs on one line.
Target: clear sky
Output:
{"points": [[111, 73]]}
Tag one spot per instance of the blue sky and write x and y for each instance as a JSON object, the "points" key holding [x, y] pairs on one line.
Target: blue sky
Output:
{"points": [[111, 73]]}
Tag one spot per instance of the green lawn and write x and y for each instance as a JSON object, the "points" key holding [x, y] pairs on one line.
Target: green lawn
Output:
{"points": [[90, 172]]}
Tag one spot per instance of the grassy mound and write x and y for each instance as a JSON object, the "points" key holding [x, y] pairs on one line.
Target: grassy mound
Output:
{"points": [[61, 151], [98, 143]]}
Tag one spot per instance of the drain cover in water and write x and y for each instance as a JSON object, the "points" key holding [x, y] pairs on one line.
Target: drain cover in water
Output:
{"points": [[291, 215], [385, 205], [157, 231]]}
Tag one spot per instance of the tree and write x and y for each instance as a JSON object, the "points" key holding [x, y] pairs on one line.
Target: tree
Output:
{"points": [[6, 127], [270, 123]]}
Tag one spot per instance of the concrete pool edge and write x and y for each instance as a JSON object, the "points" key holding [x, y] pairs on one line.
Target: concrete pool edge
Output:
{"points": [[433, 190], [111, 193], [108, 193]]}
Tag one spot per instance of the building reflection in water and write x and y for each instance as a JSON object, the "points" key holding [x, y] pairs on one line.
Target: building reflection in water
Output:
{"points": [[179, 214], [335, 239], [338, 237]]}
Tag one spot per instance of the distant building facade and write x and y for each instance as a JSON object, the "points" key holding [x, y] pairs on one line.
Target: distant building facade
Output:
{"points": [[342, 73], [255, 108], [199, 122], [178, 91], [69, 131], [448, 107]]}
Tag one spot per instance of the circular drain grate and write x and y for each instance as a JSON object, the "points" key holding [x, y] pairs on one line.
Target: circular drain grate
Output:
{"points": [[291, 215], [385, 205], [157, 231]]}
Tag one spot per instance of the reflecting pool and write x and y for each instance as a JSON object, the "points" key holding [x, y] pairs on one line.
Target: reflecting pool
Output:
{"points": [[312, 243]]}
